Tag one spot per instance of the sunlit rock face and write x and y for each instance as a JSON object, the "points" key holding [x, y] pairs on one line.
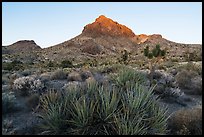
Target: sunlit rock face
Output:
{"points": [[108, 27]]}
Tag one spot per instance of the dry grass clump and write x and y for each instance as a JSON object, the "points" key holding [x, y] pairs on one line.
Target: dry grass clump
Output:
{"points": [[58, 74], [186, 121], [74, 76], [184, 77], [190, 66]]}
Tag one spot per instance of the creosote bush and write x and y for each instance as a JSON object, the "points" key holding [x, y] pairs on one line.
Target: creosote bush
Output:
{"points": [[103, 110]]}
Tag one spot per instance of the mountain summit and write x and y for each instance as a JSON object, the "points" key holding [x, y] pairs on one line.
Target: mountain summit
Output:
{"points": [[108, 27]]}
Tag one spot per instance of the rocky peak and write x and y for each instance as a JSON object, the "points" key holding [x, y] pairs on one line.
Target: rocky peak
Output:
{"points": [[24, 46], [158, 36], [108, 27], [23, 42]]}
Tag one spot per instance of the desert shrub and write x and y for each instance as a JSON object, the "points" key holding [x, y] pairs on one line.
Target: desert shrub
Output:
{"points": [[186, 121], [74, 76], [14, 65], [5, 80], [50, 64], [58, 74], [26, 72], [124, 57], [174, 59], [103, 110], [196, 85], [7, 126], [66, 64], [8, 102], [190, 66], [25, 86], [33, 100], [112, 69], [162, 67], [45, 77], [184, 77]]}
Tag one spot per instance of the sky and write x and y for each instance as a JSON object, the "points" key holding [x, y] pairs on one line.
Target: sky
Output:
{"points": [[51, 23]]}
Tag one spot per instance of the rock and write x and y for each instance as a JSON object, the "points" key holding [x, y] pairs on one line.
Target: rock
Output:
{"points": [[108, 27], [74, 76]]}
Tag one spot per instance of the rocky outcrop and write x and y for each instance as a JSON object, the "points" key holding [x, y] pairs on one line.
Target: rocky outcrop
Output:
{"points": [[23, 46], [106, 26]]}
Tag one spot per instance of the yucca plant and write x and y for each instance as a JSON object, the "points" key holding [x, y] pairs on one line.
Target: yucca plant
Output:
{"points": [[127, 76], [141, 111], [81, 111], [107, 107], [110, 110], [52, 112]]}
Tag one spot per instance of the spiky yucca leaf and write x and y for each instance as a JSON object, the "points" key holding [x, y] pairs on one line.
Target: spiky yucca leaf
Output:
{"points": [[108, 103], [81, 111], [140, 109], [127, 76]]}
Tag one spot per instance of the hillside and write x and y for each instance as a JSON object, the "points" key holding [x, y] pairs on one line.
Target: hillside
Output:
{"points": [[104, 38]]}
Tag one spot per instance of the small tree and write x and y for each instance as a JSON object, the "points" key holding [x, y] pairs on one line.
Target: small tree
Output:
{"points": [[155, 56]]}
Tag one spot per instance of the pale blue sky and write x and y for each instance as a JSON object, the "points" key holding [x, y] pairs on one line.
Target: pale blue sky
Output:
{"points": [[55, 22]]}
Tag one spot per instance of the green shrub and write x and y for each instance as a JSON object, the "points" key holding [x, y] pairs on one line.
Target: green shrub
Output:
{"points": [[14, 65], [101, 110], [50, 64], [66, 64]]}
